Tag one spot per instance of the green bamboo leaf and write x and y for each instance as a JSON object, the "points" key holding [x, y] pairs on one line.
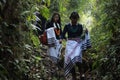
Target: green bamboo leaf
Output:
{"points": [[37, 57], [27, 46], [25, 12]]}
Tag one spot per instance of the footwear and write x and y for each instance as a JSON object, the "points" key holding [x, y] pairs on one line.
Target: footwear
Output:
{"points": [[82, 77], [74, 79]]}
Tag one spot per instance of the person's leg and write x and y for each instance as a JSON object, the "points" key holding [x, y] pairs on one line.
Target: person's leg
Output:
{"points": [[79, 65], [73, 73], [81, 70]]}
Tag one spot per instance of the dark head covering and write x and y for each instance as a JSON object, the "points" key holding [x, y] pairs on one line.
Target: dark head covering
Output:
{"points": [[74, 15]]}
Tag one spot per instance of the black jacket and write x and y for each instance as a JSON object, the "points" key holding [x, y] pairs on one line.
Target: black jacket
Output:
{"points": [[50, 24], [73, 31]]}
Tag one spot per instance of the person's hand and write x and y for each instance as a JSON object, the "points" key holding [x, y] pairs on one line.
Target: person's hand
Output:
{"points": [[60, 41], [86, 30]]}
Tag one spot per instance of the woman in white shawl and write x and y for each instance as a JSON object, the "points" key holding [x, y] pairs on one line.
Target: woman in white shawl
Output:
{"points": [[54, 32], [75, 44]]}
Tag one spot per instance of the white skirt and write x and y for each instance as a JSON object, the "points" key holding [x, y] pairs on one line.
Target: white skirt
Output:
{"points": [[55, 51], [73, 54]]}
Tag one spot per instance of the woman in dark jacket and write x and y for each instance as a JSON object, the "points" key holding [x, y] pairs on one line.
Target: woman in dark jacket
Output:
{"points": [[54, 46], [75, 44]]}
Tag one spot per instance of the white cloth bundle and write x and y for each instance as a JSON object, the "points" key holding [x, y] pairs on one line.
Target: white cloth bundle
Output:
{"points": [[86, 42], [51, 38]]}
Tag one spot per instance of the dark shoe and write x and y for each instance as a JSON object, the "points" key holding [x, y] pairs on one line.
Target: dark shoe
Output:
{"points": [[82, 78], [74, 79]]}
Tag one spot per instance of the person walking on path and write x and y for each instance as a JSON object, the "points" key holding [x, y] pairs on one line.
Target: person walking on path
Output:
{"points": [[54, 31], [78, 40]]}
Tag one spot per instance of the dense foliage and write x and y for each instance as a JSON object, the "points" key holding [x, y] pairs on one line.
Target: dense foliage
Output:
{"points": [[19, 57], [22, 56], [106, 39]]}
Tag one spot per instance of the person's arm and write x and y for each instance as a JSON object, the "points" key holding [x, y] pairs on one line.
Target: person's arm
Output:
{"points": [[64, 32], [82, 32], [81, 28]]}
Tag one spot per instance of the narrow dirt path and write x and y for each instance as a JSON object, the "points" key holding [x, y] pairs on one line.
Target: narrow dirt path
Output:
{"points": [[56, 72]]}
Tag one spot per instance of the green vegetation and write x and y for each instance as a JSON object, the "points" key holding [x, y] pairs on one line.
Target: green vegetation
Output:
{"points": [[21, 56]]}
